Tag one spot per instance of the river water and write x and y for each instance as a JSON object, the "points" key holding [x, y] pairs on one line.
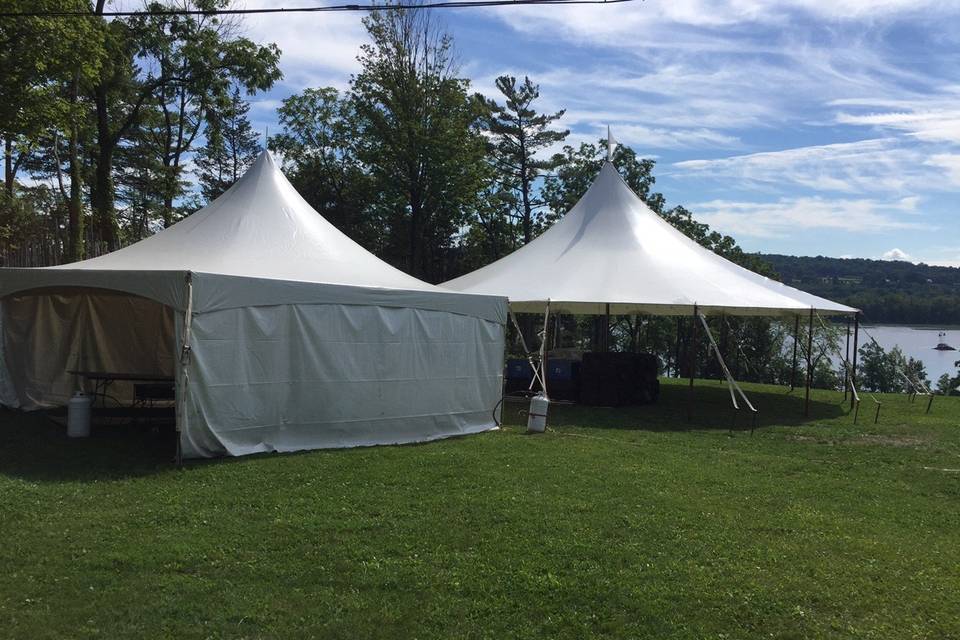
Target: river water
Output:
{"points": [[919, 343]]}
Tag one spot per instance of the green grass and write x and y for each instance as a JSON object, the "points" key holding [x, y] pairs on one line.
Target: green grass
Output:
{"points": [[616, 523]]}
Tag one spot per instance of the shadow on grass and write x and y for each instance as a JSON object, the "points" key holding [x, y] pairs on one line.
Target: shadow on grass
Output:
{"points": [[712, 410], [34, 447]]}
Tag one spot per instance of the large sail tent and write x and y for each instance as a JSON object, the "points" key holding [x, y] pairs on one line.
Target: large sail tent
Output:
{"points": [[278, 332], [612, 254]]}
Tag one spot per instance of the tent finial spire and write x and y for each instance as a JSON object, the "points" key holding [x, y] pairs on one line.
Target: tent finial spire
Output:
{"points": [[611, 145]]}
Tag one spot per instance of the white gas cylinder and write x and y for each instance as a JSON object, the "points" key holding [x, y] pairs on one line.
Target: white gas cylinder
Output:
{"points": [[78, 415], [537, 418]]}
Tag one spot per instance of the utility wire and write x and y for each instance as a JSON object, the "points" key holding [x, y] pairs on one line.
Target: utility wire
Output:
{"points": [[453, 4]]}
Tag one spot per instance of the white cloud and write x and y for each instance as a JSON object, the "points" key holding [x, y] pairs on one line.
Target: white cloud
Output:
{"points": [[896, 254], [867, 166], [787, 216], [949, 163], [317, 49]]}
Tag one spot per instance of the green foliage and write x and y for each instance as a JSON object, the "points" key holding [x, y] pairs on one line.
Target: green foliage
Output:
{"points": [[318, 148], [418, 135], [230, 148], [627, 523], [517, 132], [889, 371]]}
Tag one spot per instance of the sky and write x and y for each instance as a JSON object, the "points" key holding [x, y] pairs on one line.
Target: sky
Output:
{"points": [[803, 127]]}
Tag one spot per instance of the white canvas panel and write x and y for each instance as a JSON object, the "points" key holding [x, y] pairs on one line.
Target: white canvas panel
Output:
{"points": [[47, 335], [292, 377]]}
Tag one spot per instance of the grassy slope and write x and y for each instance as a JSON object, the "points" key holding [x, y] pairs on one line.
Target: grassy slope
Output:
{"points": [[626, 523]]}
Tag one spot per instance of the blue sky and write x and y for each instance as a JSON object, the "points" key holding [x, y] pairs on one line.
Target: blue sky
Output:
{"points": [[804, 127]]}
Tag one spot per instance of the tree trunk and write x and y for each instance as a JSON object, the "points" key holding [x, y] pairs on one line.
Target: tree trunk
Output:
{"points": [[103, 197], [75, 206], [8, 174]]}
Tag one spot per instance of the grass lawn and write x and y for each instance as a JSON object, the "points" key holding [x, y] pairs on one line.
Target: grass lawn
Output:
{"points": [[616, 523]]}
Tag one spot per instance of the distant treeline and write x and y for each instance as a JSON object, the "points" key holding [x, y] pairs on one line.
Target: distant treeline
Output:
{"points": [[891, 291]]}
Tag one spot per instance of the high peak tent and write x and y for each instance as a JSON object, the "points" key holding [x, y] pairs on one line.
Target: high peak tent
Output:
{"points": [[283, 333], [612, 249]]}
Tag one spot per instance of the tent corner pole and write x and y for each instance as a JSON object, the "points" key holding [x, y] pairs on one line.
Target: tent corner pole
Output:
{"points": [[606, 330], [853, 368], [543, 350], [692, 363], [846, 363], [806, 402], [676, 357], [796, 336], [184, 360]]}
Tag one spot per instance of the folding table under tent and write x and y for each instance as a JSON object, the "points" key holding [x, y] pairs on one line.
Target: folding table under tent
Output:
{"points": [[282, 333], [612, 254]]}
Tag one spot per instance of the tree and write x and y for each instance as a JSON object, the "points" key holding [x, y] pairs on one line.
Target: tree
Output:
{"points": [[517, 132], [231, 147], [178, 65], [417, 133], [318, 149], [577, 168], [45, 66]]}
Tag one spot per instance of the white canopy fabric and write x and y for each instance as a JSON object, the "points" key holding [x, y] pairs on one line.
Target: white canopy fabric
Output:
{"points": [[612, 249], [296, 337]]}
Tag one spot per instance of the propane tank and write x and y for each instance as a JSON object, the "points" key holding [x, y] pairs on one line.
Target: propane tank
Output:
{"points": [[78, 415], [537, 418]]}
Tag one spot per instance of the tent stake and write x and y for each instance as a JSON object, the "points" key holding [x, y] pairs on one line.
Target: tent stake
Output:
{"points": [[853, 368], [796, 336], [806, 403], [693, 362]]}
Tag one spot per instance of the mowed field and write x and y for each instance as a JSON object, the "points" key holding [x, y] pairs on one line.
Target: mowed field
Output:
{"points": [[621, 523]]}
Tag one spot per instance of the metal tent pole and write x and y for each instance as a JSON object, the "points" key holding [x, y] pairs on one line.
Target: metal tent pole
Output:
{"points": [[676, 358], [180, 397], [806, 403], [606, 330], [856, 340], [693, 362], [846, 363], [796, 336], [543, 350]]}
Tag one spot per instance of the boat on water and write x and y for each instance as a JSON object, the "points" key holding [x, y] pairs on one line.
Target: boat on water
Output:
{"points": [[942, 345]]}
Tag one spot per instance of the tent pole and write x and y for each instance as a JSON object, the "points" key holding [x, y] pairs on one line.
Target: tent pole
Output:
{"points": [[606, 330], [853, 368], [693, 362], [806, 403], [543, 350], [796, 336], [846, 363], [676, 358], [184, 378], [723, 344]]}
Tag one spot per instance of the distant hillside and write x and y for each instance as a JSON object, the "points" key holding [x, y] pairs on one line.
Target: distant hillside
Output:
{"points": [[886, 290]]}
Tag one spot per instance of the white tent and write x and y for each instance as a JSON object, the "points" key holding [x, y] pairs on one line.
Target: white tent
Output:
{"points": [[612, 249], [283, 334]]}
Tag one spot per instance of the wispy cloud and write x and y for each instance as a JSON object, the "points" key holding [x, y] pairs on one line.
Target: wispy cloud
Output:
{"points": [[867, 166], [789, 215]]}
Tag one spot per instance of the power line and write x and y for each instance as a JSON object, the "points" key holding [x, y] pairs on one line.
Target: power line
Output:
{"points": [[454, 4]]}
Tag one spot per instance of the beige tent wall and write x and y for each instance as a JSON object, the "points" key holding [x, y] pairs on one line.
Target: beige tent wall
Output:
{"points": [[48, 332]]}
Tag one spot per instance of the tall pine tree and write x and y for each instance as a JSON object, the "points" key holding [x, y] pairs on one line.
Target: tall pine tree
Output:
{"points": [[231, 147], [517, 133]]}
